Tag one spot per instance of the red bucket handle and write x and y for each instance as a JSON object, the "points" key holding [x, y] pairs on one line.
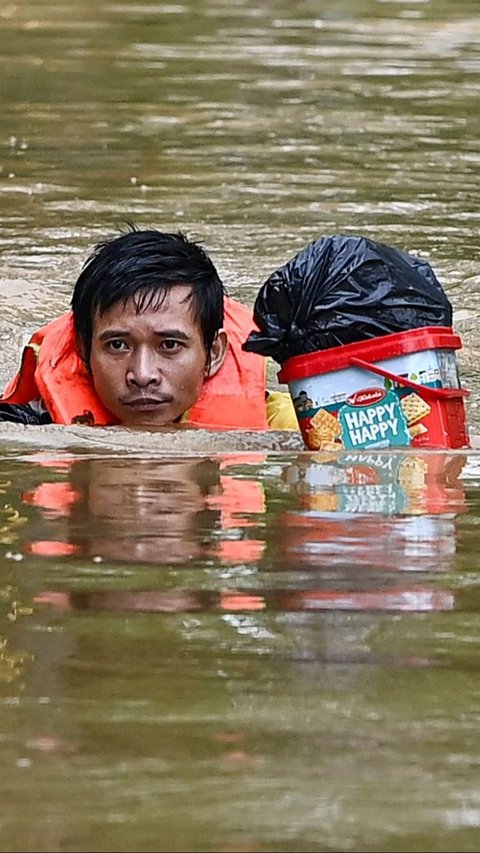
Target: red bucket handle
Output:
{"points": [[423, 390]]}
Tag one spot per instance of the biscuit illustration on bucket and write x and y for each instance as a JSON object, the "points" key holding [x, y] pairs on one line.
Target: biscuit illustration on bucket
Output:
{"points": [[324, 431], [415, 409], [417, 429]]}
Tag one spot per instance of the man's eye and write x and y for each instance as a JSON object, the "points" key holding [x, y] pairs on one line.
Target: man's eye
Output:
{"points": [[116, 345], [170, 344]]}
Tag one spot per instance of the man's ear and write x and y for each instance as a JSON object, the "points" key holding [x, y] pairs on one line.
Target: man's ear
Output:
{"points": [[217, 353], [82, 351]]}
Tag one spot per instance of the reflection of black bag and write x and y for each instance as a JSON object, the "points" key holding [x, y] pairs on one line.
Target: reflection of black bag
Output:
{"points": [[339, 290]]}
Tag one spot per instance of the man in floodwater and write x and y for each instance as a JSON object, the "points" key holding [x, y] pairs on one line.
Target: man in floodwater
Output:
{"points": [[151, 340]]}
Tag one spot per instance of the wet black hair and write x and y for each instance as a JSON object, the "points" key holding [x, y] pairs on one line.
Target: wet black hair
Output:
{"points": [[145, 264]]}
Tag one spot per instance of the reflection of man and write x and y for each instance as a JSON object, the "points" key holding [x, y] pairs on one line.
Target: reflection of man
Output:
{"points": [[165, 512], [148, 513]]}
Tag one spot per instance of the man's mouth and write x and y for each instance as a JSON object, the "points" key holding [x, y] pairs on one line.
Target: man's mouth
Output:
{"points": [[146, 404]]}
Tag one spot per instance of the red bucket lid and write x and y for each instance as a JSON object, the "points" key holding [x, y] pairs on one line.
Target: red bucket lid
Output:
{"points": [[372, 350]]}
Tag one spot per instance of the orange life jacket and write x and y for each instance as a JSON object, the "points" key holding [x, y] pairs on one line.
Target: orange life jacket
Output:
{"points": [[234, 398]]}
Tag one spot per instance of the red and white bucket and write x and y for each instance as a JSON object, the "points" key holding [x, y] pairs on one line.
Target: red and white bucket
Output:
{"points": [[398, 390]]}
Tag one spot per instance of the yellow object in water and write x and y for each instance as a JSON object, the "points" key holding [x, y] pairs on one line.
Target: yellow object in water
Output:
{"points": [[280, 411]]}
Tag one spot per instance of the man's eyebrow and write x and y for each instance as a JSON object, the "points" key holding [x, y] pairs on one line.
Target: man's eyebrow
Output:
{"points": [[161, 333], [112, 333], [173, 333]]}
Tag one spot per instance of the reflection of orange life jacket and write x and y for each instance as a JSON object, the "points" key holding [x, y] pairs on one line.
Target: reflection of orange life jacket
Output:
{"points": [[240, 503], [234, 398]]}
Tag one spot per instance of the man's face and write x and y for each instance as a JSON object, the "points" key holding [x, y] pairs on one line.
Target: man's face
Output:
{"points": [[143, 513], [148, 368]]}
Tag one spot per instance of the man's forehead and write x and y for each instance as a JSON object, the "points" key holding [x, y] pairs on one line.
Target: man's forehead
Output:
{"points": [[161, 298], [176, 298]]}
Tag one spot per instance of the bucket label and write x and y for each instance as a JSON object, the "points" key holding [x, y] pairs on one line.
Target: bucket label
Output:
{"points": [[373, 417], [421, 421]]}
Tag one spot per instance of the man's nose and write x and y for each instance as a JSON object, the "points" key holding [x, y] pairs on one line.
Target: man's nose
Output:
{"points": [[143, 369]]}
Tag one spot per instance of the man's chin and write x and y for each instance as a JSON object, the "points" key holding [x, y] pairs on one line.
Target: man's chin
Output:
{"points": [[144, 420], [170, 427]]}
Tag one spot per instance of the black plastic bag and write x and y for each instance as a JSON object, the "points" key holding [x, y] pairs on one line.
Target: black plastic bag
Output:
{"points": [[342, 289]]}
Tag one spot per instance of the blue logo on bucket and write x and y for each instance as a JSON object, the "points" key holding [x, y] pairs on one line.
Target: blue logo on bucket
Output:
{"points": [[373, 417]]}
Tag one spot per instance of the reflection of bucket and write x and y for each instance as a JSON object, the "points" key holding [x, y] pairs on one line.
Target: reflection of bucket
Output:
{"points": [[409, 483], [388, 511], [396, 390]]}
